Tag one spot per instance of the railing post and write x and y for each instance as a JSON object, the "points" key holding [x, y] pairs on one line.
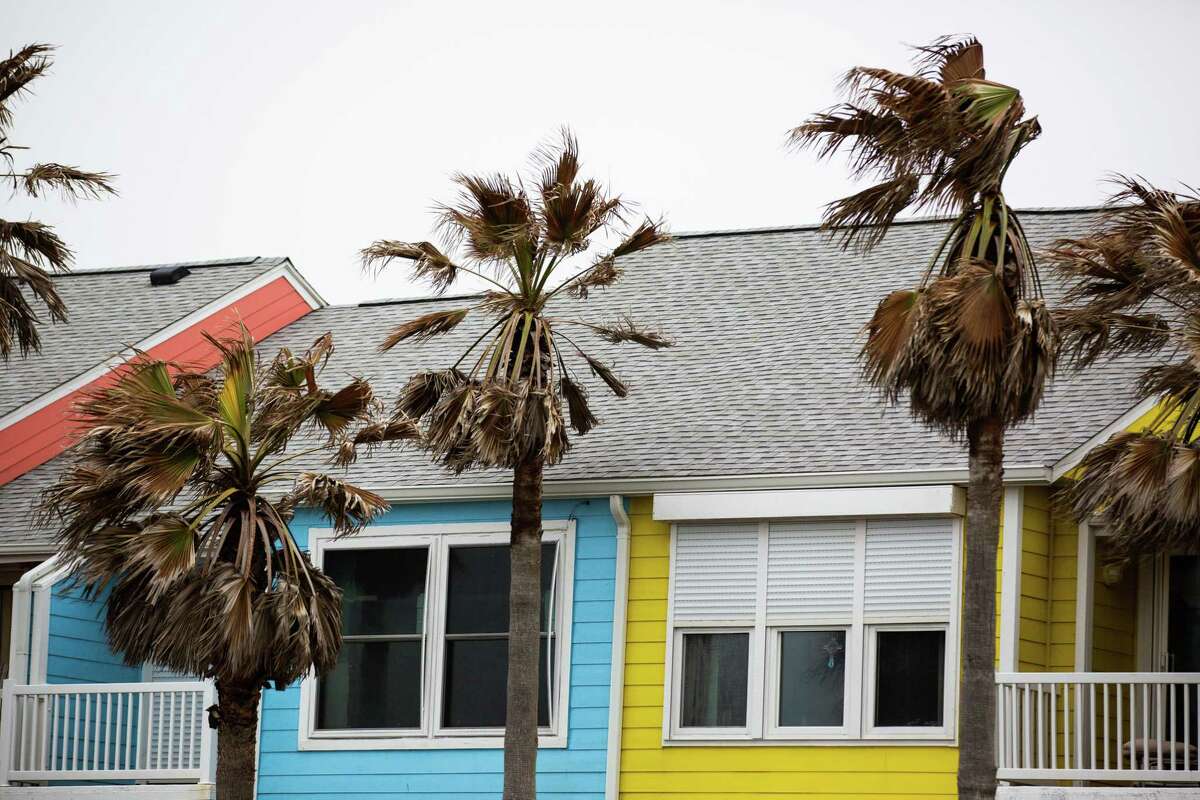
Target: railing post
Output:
{"points": [[208, 737], [8, 713]]}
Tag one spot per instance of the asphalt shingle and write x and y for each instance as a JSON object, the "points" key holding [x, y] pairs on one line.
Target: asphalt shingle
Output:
{"points": [[763, 378]]}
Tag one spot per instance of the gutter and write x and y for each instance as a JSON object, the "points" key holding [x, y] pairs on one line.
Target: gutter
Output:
{"points": [[1013, 475], [616, 681]]}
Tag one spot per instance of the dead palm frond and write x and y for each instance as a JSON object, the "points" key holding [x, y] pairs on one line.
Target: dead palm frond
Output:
{"points": [[973, 339], [505, 403], [165, 501], [1134, 287], [30, 251]]}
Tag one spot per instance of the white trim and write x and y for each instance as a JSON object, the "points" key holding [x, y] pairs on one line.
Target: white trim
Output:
{"points": [[596, 487], [889, 501], [616, 681], [438, 538], [158, 791], [24, 631], [283, 270], [16, 554], [1085, 587], [1010, 578], [1073, 458]]}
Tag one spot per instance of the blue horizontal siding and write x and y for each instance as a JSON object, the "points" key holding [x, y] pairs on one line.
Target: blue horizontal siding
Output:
{"points": [[77, 650], [575, 772]]}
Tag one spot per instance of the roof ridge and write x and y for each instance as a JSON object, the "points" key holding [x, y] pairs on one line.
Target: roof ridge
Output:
{"points": [[236, 261], [914, 220]]}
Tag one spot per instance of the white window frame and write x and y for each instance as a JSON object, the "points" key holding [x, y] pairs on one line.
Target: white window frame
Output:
{"points": [[763, 692], [936, 732], [701, 734], [438, 538], [773, 729]]}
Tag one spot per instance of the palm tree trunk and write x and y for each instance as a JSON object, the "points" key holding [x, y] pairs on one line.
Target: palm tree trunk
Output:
{"points": [[977, 697], [237, 740], [524, 635]]}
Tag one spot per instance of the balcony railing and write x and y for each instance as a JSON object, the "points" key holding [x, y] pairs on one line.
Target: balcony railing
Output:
{"points": [[1135, 727], [107, 731]]}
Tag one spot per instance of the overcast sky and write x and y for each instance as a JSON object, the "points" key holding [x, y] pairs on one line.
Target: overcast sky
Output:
{"points": [[309, 129]]}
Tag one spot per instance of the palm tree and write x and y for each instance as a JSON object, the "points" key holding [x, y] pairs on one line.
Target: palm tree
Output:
{"points": [[30, 251], [163, 505], [504, 407], [973, 343], [1133, 289]]}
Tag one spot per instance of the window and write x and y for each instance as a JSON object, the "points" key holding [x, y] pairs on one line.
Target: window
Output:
{"points": [[424, 661], [909, 674], [813, 630], [714, 680], [473, 692], [377, 681]]}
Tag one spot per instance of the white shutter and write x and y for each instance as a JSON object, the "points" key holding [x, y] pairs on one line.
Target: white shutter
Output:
{"points": [[716, 572], [810, 571], [909, 569]]}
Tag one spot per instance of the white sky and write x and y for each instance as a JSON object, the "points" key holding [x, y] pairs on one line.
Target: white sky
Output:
{"points": [[309, 129]]}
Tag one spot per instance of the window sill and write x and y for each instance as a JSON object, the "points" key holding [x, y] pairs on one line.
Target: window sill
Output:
{"points": [[352, 741], [875, 741]]}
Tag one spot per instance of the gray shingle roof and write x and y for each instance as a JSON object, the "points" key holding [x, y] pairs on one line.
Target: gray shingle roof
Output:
{"points": [[111, 309], [763, 379]]}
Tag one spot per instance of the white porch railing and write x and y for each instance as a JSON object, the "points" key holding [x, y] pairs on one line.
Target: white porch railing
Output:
{"points": [[107, 731], [1098, 726]]}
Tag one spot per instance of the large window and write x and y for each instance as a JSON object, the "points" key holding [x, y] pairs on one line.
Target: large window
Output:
{"points": [[813, 630], [425, 627]]}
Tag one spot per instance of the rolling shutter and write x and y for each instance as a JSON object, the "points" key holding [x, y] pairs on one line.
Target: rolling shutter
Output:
{"points": [[716, 572], [909, 568], [810, 571]]}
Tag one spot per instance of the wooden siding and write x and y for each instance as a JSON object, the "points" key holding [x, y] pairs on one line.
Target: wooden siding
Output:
{"points": [[575, 772], [77, 650], [1034, 603], [43, 434], [755, 772]]}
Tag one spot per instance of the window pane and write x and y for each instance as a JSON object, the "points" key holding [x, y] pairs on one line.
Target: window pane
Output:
{"points": [[714, 680], [477, 600], [812, 678], [476, 684], [383, 591], [374, 685], [910, 678]]}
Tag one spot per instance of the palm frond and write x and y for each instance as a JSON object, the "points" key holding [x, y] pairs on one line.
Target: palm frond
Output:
{"points": [[605, 373], [424, 327], [71, 183], [347, 507], [21, 68], [627, 330], [429, 262]]}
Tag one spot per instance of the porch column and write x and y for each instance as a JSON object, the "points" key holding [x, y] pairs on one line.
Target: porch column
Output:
{"points": [[1085, 586], [1010, 579]]}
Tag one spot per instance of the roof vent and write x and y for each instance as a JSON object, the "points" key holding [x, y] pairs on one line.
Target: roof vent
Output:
{"points": [[166, 276]]}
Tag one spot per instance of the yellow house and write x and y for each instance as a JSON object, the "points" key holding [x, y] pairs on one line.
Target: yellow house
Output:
{"points": [[796, 635], [802, 643]]}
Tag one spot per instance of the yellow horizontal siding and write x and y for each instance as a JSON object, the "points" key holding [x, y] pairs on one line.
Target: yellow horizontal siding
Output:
{"points": [[752, 772], [1035, 580]]}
